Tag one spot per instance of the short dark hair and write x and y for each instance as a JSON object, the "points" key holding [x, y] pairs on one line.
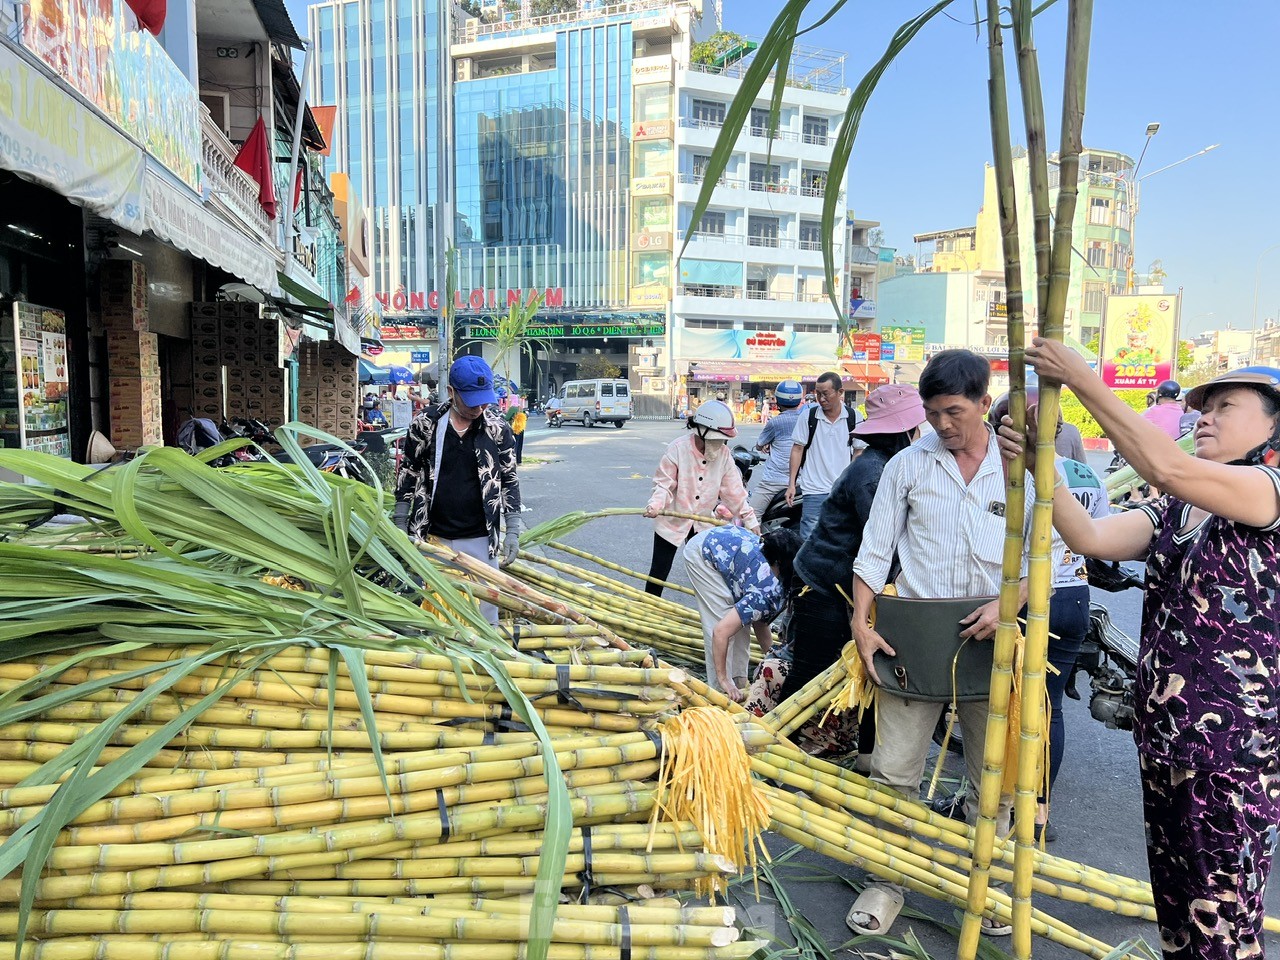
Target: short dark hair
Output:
{"points": [[890, 444], [955, 373], [833, 378], [780, 547]]}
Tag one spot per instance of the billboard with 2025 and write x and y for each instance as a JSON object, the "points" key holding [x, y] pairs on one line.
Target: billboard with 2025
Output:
{"points": [[1139, 341]]}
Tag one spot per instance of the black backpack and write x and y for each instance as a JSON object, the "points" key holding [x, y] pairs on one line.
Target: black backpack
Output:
{"points": [[813, 429]]}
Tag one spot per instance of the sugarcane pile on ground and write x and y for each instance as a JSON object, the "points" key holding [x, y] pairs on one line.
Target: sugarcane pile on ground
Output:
{"points": [[240, 713]]}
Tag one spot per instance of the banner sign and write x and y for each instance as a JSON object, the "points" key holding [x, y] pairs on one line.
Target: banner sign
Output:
{"points": [[577, 330], [902, 344], [1138, 341], [96, 47], [865, 347], [51, 138], [700, 344], [477, 299]]}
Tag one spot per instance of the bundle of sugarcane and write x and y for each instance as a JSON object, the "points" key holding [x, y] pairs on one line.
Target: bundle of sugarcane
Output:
{"points": [[1125, 481]]}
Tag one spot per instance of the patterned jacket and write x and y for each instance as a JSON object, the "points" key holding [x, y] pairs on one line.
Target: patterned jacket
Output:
{"points": [[495, 459]]}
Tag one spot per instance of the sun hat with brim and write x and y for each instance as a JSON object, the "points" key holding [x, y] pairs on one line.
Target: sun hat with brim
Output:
{"points": [[895, 408], [472, 380], [1265, 377]]}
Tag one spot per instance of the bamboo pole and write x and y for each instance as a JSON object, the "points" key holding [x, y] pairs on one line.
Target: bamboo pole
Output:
{"points": [[617, 568]]}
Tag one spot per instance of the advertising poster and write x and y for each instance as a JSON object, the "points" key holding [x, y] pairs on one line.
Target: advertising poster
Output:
{"points": [[864, 347], [96, 47], [1138, 340], [902, 344]]}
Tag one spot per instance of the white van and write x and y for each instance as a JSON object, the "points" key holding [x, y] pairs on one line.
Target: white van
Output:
{"points": [[597, 401]]}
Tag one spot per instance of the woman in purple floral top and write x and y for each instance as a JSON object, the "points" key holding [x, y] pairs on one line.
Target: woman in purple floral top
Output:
{"points": [[1207, 695]]}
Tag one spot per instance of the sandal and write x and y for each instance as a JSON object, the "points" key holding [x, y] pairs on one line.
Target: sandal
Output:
{"points": [[877, 906], [991, 927]]}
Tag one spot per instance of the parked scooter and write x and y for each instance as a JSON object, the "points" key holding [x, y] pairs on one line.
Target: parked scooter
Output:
{"points": [[778, 514]]}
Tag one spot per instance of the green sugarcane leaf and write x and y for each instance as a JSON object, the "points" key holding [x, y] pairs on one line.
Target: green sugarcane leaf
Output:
{"points": [[354, 660]]}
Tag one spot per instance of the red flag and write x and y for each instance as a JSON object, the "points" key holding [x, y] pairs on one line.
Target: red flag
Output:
{"points": [[297, 188], [150, 13], [254, 159], [354, 296]]}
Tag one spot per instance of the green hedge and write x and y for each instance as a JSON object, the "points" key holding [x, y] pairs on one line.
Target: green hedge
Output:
{"points": [[1073, 410]]}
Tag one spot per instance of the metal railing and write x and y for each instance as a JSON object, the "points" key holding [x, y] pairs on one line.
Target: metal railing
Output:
{"points": [[701, 236], [815, 139], [778, 243], [785, 135], [770, 186], [780, 296], [698, 178], [714, 291], [234, 188], [861, 253], [695, 123], [471, 30]]}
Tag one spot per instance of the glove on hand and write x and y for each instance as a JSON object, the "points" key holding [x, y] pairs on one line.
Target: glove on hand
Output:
{"points": [[510, 542], [400, 515]]}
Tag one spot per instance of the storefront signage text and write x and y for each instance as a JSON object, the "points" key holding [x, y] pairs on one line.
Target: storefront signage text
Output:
{"points": [[652, 130], [554, 330], [478, 299]]}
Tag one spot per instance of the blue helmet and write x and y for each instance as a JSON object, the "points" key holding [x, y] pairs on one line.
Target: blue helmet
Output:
{"points": [[502, 393], [788, 393]]}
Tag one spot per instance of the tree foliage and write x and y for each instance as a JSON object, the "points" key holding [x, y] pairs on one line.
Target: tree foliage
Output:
{"points": [[716, 45], [597, 366]]}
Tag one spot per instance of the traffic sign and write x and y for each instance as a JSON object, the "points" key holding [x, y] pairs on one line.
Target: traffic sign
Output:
{"points": [[420, 356]]}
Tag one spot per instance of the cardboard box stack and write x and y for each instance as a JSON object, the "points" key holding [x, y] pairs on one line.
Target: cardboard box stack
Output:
{"points": [[328, 388], [235, 367], [133, 357]]}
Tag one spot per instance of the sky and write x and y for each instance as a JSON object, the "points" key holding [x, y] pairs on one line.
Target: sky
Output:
{"points": [[1207, 73]]}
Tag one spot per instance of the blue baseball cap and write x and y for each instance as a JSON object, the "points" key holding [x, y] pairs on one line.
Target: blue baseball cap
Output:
{"points": [[472, 379]]}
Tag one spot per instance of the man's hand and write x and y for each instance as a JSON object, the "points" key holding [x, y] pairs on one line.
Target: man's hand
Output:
{"points": [[650, 511], [400, 516], [1011, 444], [869, 642], [791, 494], [982, 622], [510, 543], [763, 447]]}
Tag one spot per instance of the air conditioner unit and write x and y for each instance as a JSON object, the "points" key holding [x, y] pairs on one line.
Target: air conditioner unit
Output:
{"points": [[464, 68]]}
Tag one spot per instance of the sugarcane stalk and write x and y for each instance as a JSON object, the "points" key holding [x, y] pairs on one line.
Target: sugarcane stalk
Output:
{"points": [[617, 568], [991, 786]]}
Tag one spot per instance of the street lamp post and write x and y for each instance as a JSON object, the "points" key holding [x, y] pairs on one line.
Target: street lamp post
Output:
{"points": [[1257, 280]]}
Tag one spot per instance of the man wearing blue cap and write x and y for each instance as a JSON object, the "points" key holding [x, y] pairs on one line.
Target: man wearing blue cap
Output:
{"points": [[457, 479]]}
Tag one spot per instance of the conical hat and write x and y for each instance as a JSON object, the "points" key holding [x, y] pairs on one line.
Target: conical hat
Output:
{"points": [[100, 449]]}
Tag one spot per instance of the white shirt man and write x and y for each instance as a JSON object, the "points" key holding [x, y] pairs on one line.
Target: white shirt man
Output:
{"points": [[818, 461]]}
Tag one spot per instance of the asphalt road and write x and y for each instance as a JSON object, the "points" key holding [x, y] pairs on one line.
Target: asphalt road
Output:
{"points": [[1097, 806]]}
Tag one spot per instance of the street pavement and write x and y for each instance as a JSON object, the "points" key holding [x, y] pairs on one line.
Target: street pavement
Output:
{"points": [[1097, 803]]}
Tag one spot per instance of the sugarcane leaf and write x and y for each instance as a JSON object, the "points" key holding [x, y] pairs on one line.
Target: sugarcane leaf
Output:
{"points": [[354, 659], [1128, 948], [211, 454], [559, 825], [842, 149]]}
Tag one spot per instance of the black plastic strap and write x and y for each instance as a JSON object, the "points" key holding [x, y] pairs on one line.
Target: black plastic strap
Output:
{"points": [[445, 829], [515, 636], [562, 685], [624, 948], [586, 876], [656, 738], [490, 738]]}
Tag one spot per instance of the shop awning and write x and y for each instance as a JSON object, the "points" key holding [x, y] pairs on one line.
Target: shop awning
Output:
{"points": [[761, 371], [870, 375]]}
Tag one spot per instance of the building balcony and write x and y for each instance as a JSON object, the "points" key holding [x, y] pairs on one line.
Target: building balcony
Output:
{"points": [[230, 188], [737, 303], [862, 254], [728, 238], [772, 186]]}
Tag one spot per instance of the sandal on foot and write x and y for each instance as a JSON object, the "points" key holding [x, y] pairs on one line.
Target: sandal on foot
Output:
{"points": [[991, 927], [877, 906]]}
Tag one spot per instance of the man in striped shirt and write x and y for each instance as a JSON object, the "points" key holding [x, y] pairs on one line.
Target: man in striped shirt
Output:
{"points": [[940, 510]]}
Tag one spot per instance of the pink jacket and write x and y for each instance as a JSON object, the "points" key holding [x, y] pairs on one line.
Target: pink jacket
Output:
{"points": [[686, 483]]}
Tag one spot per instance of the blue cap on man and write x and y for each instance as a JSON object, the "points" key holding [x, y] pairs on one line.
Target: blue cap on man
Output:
{"points": [[472, 380]]}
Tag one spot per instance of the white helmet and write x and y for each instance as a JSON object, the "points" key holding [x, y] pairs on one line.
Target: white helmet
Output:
{"points": [[713, 415]]}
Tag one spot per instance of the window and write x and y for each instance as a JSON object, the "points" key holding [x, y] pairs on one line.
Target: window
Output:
{"points": [[816, 130], [1100, 211], [708, 113], [1097, 253], [758, 290], [810, 235], [813, 183], [1095, 295], [606, 389], [764, 175], [696, 323], [712, 222], [765, 326], [759, 121], [812, 328], [762, 231], [623, 389], [700, 163]]}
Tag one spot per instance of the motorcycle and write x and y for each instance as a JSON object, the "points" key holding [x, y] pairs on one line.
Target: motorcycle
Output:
{"points": [[778, 514], [554, 417], [200, 433]]}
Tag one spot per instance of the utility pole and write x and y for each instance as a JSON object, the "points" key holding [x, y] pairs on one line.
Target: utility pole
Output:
{"points": [[443, 233]]}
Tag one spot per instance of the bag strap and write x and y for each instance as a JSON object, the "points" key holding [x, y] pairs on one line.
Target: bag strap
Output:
{"points": [[813, 429]]}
